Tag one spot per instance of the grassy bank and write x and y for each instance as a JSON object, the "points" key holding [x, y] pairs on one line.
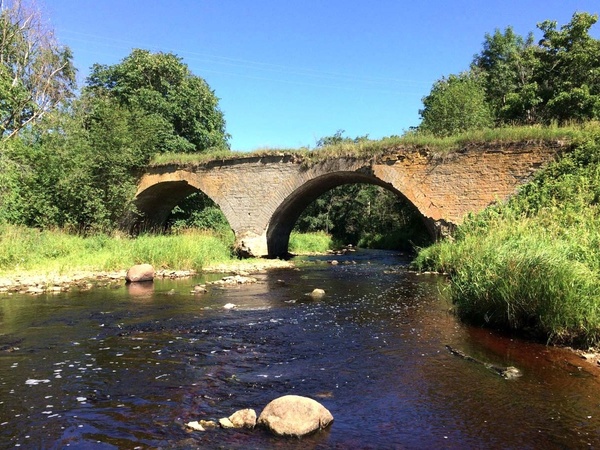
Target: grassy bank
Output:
{"points": [[533, 263], [31, 251], [27, 250]]}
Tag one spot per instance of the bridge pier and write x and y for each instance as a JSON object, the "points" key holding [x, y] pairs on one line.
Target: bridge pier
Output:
{"points": [[250, 245]]}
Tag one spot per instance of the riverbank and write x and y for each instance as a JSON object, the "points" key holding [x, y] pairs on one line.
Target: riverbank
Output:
{"points": [[40, 283], [532, 265], [36, 261]]}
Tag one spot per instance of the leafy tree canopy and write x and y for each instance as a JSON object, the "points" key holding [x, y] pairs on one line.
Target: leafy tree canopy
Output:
{"points": [[455, 104], [513, 80], [162, 85], [36, 74], [569, 78]]}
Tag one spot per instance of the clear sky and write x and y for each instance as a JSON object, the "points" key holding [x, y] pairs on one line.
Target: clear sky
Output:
{"points": [[288, 72]]}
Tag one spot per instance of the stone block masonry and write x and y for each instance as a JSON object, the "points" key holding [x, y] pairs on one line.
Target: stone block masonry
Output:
{"points": [[262, 197]]}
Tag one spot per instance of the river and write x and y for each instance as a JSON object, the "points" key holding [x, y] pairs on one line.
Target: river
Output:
{"points": [[127, 368]]}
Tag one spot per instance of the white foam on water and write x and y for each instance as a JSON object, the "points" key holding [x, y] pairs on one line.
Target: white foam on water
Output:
{"points": [[33, 382]]}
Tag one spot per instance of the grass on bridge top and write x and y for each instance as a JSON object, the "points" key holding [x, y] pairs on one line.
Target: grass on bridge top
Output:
{"points": [[411, 140]]}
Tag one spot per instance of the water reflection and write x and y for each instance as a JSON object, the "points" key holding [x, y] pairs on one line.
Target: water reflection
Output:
{"points": [[144, 289], [116, 368]]}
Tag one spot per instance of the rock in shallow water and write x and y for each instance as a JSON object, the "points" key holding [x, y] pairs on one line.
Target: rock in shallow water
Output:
{"points": [[317, 293], [226, 423], [293, 415], [195, 425], [140, 272], [244, 418]]}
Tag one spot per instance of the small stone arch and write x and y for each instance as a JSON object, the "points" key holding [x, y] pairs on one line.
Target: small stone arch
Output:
{"points": [[155, 203]]}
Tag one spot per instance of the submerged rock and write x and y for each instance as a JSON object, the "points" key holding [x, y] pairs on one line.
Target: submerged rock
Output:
{"points": [[293, 415], [206, 424], [199, 289], [234, 280], [509, 372]]}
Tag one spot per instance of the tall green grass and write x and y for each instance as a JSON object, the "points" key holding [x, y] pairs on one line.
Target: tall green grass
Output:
{"points": [[533, 264], [53, 251], [309, 243], [522, 276]]}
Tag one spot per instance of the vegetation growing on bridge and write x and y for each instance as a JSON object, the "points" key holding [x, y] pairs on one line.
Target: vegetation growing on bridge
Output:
{"points": [[410, 141]]}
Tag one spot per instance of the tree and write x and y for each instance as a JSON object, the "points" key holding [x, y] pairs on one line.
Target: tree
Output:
{"points": [[569, 75], [455, 104], [161, 85], [507, 64], [198, 211], [36, 74], [77, 169], [515, 81]]}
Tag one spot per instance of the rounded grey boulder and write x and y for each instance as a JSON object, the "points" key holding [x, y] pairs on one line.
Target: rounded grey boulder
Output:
{"points": [[293, 415], [140, 272]]}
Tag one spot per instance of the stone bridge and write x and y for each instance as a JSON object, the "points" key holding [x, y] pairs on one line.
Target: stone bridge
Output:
{"points": [[263, 196]]}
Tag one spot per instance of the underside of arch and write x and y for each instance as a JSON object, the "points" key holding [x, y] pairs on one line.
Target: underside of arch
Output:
{"points": [[156, 203], [285, 216]]}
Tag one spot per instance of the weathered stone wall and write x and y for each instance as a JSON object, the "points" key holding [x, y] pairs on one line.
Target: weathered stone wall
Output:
{"points": [[448, 187], [263, 196]]}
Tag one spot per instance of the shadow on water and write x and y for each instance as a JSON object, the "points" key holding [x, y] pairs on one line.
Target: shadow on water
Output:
{"points": [[128, 367]]}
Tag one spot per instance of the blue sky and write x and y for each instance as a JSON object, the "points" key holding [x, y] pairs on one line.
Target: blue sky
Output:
{"points": [[290, 72]]}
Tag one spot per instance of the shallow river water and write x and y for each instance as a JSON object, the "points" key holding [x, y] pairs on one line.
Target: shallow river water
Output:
{"points": [[127, 368]]}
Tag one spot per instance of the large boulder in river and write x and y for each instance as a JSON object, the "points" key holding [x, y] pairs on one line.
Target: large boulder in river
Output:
{"points": [[140, 272], [293, 415]]}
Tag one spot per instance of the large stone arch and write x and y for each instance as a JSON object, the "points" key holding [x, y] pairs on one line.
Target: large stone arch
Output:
{"points": [[285, 216]]}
